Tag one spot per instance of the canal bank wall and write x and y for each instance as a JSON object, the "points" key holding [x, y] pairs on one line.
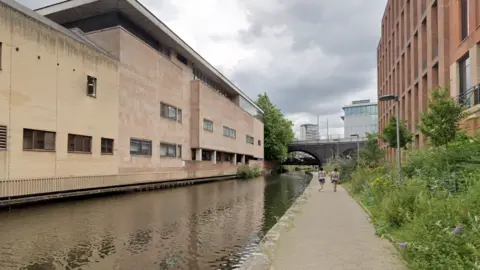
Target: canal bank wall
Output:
{"points": [[263, 255], [75, 194]]}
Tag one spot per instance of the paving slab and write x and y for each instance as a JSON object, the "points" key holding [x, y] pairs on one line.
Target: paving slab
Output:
{"points": [[331, 231]]}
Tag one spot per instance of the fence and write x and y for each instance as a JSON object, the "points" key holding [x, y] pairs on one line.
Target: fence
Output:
{"points": [[39, 186]]}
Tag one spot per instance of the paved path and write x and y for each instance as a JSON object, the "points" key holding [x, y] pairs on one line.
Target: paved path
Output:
{"points": [[332, 232]]}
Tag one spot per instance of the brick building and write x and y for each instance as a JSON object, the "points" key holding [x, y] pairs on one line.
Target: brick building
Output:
{"points": [[425, 44]]}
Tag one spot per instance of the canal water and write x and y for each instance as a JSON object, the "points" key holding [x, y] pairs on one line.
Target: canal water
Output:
{"points": [[207, 226]]}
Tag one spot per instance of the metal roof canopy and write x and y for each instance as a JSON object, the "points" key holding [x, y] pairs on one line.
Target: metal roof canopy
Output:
{"points": [[74, 10]]}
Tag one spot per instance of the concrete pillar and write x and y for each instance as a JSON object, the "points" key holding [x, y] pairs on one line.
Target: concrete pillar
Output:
{"points": [[243, 159], [234, 160], [198, 154], [214, 157]]}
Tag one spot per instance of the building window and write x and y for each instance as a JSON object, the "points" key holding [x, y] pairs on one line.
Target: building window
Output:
{"points": [[228, 132], [250, 140], [3, 137], [179, 151], [91, 86], [207, 125], [464, 76], [1, 55], [140, 147], [107, 146], [464, 17], [259, 142], [168, 150], [79, 143], [182, 59], [38, 140], [170, 112]]}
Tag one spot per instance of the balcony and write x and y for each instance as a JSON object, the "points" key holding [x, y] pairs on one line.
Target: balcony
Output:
{"points": [[470, 98]]}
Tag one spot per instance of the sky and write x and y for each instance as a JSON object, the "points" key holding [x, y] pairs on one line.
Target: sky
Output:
{"points": [[310, 56]]}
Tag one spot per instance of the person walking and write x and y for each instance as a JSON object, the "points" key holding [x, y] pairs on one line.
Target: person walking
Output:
{"points": [[321, 177], [335, 176]]}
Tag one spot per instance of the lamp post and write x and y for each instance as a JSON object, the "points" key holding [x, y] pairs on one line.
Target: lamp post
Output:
{"points": [[399, 160], [358, 145]]}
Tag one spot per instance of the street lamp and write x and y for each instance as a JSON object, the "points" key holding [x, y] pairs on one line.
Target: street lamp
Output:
{"points": [[399, 160], [358, 146]]}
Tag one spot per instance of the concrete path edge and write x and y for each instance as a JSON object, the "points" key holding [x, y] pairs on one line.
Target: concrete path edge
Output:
{"points": [[263, 255]]}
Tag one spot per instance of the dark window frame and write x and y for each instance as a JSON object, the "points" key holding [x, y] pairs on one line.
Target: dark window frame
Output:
{"points": [[179, 151], [209, 123], [182, 59], [36, 140], [259, 142], [166, 110], [249, 139], [229, 132], [92, 86], [3, 137], [141, 152], [169, 146], [464, 19], [79, 144], [1, 54], [107, 149]]}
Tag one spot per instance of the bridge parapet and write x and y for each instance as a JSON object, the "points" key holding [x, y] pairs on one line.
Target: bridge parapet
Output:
{"points": [[330, 141]]}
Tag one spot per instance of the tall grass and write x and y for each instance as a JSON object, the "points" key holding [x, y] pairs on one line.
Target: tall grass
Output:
{"points": [[434, 212]]}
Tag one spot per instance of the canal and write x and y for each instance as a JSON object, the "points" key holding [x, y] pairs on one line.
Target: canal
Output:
{"points": [[207, 226]]}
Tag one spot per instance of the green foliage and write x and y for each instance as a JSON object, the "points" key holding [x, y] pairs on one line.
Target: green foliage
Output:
{"points": [[390, 134], [371, 155], [245, 172], [278, 132], [433, 200], [441, 123]]}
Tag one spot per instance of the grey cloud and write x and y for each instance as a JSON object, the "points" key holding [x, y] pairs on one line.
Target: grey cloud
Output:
{"points": [[332, 52]]}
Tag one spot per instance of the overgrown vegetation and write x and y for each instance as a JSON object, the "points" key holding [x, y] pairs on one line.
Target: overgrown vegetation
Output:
{"points": [[434, 214], [246, 172]]}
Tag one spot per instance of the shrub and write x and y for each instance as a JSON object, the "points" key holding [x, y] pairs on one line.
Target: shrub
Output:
{"points": [[245, 172]]}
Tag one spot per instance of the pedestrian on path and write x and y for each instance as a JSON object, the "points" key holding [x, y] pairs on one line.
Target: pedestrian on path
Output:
{"points": [[335, 176], [321, 177]]}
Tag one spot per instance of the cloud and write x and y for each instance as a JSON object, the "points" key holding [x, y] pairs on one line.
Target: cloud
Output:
{"points": [[316, 55], [310, 56]]}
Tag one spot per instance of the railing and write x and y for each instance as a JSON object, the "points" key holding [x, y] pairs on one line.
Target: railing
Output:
{"points": [[332, 140], [470, 98], [39, 186]]}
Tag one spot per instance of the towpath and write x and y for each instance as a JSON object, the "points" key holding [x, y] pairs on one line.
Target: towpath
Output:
{"points": [[332, 232]]}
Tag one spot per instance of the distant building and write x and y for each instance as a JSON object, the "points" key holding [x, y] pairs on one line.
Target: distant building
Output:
{"points": [[360, 117], [308, 132]]}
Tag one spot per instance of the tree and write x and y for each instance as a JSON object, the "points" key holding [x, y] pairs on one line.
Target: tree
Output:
{"points": [[278, 132], [390, 134], [441, 123], [371, 155]]}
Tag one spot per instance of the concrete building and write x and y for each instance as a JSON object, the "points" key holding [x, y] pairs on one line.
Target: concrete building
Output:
{"points": [[308, 132], [102, 91], [360, 117], [424, 44]]}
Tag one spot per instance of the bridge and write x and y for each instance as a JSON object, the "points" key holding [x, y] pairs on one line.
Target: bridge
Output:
{"points": [[324, 149]]}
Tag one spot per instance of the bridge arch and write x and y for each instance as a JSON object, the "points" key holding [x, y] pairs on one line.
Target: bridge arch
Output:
{"points": [[311, 153]]}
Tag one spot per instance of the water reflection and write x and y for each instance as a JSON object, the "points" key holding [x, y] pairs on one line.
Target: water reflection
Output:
{"points": [[210, 226]]}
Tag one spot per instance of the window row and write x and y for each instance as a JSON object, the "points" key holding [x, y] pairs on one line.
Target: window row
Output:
{"points": [[144, 148], [46, 141], [170, 112], [229, 132], [362, 110]]}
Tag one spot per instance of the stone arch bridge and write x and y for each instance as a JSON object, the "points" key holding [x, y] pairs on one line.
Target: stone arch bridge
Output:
{"points": [[323, 150]]}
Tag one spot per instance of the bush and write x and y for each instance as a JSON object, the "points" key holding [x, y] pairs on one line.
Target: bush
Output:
{"points": [[440, 191], [245, 172]]}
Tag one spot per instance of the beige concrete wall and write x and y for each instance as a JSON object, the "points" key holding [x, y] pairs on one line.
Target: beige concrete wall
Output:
{"points": [[146, 79], [223, 112], [43, 86]]}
